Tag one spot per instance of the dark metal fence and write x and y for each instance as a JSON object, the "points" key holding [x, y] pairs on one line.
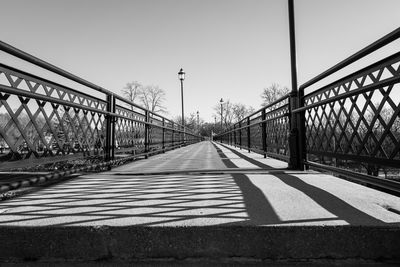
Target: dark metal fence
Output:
{"points": [[350, 126], [265, 131], [42, 121]]}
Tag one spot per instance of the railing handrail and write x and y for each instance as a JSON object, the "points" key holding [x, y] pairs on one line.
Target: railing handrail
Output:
{"points": [[388, 38], [50, 67], [261, 109], [50, 82]]}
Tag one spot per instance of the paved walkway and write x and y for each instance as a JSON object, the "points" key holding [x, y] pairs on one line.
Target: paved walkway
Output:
{"points": [[203, 184]]}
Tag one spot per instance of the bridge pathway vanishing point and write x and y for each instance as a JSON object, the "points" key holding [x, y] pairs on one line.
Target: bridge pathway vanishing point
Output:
{"points": [[201, 185]]}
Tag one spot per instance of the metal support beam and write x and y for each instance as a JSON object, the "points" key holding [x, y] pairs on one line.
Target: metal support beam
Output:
{"points": [[108, 137], [295, 160], [113, 121], [173, 134], [147, 134], [234, 136], [163, 135], [264, 133], [240, 135], [248, 134]]}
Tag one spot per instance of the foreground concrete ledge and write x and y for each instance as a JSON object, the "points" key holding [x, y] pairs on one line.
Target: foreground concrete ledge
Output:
{"points": [[87, 243]]}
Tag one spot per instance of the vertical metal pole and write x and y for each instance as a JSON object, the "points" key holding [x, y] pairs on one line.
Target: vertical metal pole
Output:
{"points": [[295, 161], [183, 118], [146, 134], [240, 135], [221, 117], [108, 129], [113, 132], [183, 113], [302, 132], [234, 136], [248, 134], [264, 133], [173, 134], [198, 123], [181, 136], [163, 135]]}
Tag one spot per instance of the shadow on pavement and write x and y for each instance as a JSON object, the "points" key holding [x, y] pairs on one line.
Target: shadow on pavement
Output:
{"points": [[259, 209], [253, 195], [167, 200]]}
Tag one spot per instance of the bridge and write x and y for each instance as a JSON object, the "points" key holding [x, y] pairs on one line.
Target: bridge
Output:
{"points": [[202, 201], [87, 175]]}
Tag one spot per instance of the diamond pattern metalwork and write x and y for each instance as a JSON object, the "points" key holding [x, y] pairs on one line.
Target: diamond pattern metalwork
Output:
{"points": [[130, 129], [41, 119], [357, 118], [276, 130]]}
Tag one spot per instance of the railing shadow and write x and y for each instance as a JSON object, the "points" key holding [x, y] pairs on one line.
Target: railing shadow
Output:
{"points": [[149, 200], [328, 201], [176, 199], [258, 207]]}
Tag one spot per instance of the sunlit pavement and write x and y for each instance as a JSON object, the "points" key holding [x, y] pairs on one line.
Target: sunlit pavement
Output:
{"points": [[205, 184]]}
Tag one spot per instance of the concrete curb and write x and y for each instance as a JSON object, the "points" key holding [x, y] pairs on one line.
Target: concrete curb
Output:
{"points": [[74, 244]]}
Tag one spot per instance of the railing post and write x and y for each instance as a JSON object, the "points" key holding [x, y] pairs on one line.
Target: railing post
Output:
{"points": [[248, 134], [163, 135], [113, 121], [295, 160], [264, 133], [234, 136], [302, 131], [109, 124], [240, 135], [146, 134], [181, 136], [172, 135], [184, 136]]}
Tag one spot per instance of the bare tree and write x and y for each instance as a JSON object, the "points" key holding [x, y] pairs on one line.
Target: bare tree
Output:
{"points": [[152, 97], [227, 114], [132, 90], [240, 111], [190, 121], [273, 93], [231, 112]]}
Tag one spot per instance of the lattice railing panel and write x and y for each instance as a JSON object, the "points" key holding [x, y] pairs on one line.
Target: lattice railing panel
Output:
{"points": [[276, 121], [357, 118], [130, 129], [277, 128], [40, 119], [256, 133]]}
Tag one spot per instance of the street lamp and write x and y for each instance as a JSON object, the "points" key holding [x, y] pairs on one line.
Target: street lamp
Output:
{"points": [[181, 75], [221, 101]]}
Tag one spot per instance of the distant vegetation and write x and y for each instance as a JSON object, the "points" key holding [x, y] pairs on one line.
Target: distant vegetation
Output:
{"points": [[151, 97]]}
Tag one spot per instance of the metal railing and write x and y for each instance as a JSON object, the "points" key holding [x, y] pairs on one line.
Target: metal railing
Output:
{"points": [[265, 131], [350, 127], [43, 122]]}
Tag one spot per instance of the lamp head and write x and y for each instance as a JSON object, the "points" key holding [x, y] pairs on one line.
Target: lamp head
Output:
{"points": [[181, 74]]}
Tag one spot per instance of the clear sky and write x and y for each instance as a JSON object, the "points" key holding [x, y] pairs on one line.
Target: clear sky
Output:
{"points": [[229, 49]]}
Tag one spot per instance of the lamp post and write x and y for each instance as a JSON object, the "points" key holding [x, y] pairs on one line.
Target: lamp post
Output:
{"points": [[181, 75], [221, 101]]}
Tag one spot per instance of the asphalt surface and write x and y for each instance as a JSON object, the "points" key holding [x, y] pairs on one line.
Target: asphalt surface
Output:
{"points": [[204, 184]]}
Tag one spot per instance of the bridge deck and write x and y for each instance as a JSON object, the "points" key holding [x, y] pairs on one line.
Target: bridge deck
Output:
{"points": [[203, 184]]}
